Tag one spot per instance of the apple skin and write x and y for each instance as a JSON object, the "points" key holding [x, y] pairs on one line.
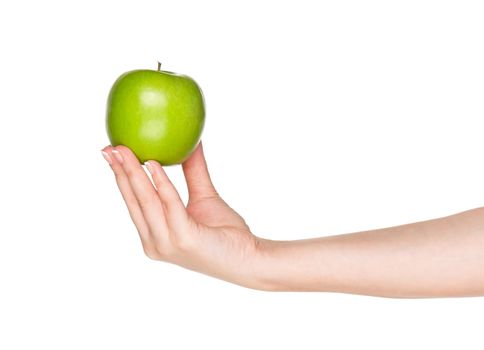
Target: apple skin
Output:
{"points": [[159, 115]]}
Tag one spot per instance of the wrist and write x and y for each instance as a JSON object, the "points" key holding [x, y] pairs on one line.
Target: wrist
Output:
{"points": [[290, 266], [266, 266]]}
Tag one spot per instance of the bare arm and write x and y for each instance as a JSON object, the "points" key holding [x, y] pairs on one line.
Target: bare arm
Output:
{"points": [[434, 258]]}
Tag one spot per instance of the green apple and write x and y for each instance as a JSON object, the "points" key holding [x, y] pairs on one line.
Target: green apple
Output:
{"points": [[159, 115]]}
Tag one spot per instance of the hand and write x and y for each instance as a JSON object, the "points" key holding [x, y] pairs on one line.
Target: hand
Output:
{"points": [[205, 236], [420, 259]]}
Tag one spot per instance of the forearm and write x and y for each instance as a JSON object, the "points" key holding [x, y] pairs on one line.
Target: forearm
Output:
{"points": [[434, 258]]}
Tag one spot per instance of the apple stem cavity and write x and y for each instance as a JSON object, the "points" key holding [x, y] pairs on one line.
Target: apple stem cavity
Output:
{"points": [[159, 66]]}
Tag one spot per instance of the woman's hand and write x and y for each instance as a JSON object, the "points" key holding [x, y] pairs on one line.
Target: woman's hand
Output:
{"points": [[206, 236], [433, 258]]}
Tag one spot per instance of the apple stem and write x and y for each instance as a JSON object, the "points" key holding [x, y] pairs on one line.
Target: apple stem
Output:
{"points": [[159, 66]]}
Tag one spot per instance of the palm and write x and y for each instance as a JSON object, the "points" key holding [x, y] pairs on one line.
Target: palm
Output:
{"points": [[207, 235], [213, 211], [205, 205]]}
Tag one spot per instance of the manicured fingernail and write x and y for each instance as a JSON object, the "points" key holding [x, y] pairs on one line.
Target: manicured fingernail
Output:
{"points": [[107, 157], [149, 167], [118, 156]]}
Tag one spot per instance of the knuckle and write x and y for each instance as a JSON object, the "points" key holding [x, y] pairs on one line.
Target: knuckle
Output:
{"points": [[169, 249], [184, 243], [129, 171], [118, 173], [163, 252], [150, 252], [160, 252], [146, 202], [157, 248], [131, 202]]}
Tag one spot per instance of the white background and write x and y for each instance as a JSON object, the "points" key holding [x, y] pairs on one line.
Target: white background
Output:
{"points": [[322, 118]]}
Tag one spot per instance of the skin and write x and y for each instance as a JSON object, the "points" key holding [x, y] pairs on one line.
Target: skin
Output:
{"points": [[442, 257]]}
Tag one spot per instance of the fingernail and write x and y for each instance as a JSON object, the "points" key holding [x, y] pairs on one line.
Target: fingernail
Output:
{"points": [[107, 157], [149, 167], [118, 156]]}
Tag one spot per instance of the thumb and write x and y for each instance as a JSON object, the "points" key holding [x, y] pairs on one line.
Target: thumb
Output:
{"points": [[197, 176]]}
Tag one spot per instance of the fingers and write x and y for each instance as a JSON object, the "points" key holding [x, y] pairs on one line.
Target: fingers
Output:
{"points": [[197, 176], [128, 195], [142, 189], [175, 209]]}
